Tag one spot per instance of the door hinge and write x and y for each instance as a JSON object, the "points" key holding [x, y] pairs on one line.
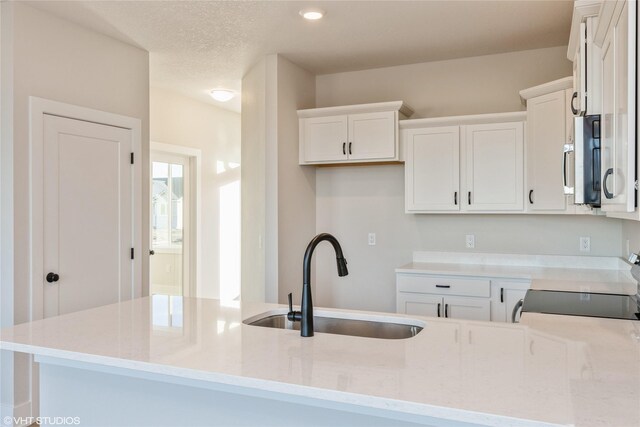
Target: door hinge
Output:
{"points": [[131, 253], [131, 158], [636, 184]]}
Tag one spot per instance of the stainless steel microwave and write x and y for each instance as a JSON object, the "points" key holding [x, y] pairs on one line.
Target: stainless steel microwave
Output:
{"points": [[586, 149]]}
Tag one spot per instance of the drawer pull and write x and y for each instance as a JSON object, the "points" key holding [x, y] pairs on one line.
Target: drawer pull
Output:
{"points": [[443, 286]]}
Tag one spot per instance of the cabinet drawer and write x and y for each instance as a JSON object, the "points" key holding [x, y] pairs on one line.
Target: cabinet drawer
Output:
{"points": [[443, 285]]}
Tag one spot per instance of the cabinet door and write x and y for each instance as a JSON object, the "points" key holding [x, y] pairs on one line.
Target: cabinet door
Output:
{"points": [[494, 167], [373, 136], [504, 297], [581, 57], [618, 144], [419, 304], [467, 308], [432, 169], [546, 135], [324, 139]]}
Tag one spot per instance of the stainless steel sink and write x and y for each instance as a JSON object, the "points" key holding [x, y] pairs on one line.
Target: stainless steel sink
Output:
{"points": [[364, 326]]}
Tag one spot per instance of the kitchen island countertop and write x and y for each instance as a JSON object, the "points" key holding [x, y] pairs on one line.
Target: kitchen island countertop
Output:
{"points": [[547, 370]]}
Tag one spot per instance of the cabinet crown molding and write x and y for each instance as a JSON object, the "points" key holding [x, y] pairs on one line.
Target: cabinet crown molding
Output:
{"points": [[516, 116], [545, 88], [399, 106], [582, 9]]}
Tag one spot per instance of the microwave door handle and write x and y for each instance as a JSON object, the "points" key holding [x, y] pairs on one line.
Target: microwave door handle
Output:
{"points": [[568, 148], [605, 190]]}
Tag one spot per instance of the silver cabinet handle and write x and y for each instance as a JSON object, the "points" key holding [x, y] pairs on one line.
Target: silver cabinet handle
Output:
{"points": [[514, 313], [605, 189], [566, 149]]}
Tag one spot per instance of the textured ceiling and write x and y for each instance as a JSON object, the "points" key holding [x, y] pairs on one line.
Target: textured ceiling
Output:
{"points": [[198, 45]]}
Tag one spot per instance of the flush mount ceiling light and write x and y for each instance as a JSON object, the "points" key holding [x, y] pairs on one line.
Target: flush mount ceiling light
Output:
{"points": [[222, 95], [312, 13]]}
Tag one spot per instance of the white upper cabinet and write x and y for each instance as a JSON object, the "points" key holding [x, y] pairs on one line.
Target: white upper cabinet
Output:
{"points": [[546, 138], [326, 138], [432, 169], [586, 58], [549, 128], [618, 122], [372, 136], [351, 134], [464, 164], [494, 167]]}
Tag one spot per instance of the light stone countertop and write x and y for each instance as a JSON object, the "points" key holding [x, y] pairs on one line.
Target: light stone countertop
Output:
{"points": [[547, 370], [561, 273]]}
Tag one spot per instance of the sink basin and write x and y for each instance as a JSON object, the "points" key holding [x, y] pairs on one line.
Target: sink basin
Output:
{"points": [[345, 324]]}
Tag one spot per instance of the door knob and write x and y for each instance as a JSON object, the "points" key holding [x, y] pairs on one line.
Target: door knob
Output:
{"points": [[152, 252], [52, 277]]}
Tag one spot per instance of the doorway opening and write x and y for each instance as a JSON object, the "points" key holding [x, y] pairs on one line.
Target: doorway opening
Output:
{"points": [[174, 221]]}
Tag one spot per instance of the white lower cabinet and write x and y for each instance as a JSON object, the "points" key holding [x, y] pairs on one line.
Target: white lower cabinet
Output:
{"points": [[443, 296], [439, 306], [504, 297], [458, 297], [467, 308]]}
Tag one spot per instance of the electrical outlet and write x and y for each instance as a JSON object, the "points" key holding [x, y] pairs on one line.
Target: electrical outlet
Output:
{"points": [[471, 241], [372, 239], [585, 244]]}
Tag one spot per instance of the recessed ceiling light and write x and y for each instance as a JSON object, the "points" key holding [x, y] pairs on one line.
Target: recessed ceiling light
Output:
{"points": [[312, 14], [222, 95]]}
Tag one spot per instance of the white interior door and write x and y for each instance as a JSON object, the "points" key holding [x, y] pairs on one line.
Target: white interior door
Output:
{"points": [[88, 215], [169, 266]]}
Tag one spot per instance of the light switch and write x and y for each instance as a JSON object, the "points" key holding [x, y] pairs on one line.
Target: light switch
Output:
{"points": [[372, 239]]}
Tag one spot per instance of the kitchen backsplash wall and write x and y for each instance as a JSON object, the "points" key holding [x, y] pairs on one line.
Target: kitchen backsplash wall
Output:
{"points": [[630, 239], [354, 201]]}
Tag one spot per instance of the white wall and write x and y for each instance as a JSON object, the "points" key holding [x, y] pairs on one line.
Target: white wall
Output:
{"points": [[630, 233], [51, 58], [482, 84], [353, 201], [253, 183], [278, 197], [178, 120], [296, 185]]}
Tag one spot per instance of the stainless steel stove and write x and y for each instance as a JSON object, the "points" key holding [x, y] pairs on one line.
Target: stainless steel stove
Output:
{"points": [[612, 306]]}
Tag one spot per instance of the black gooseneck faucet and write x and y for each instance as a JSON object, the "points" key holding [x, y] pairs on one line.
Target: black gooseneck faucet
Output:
{"points": [[305, 316]]}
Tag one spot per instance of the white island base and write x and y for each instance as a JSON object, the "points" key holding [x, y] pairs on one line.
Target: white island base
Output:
{"points": [[110, 396]]}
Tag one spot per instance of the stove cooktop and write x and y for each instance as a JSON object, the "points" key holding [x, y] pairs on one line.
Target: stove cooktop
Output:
{"points": [[611, 306]]}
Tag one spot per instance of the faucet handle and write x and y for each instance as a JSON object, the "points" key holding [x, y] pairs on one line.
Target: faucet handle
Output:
{"points": [[294, 316]]}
